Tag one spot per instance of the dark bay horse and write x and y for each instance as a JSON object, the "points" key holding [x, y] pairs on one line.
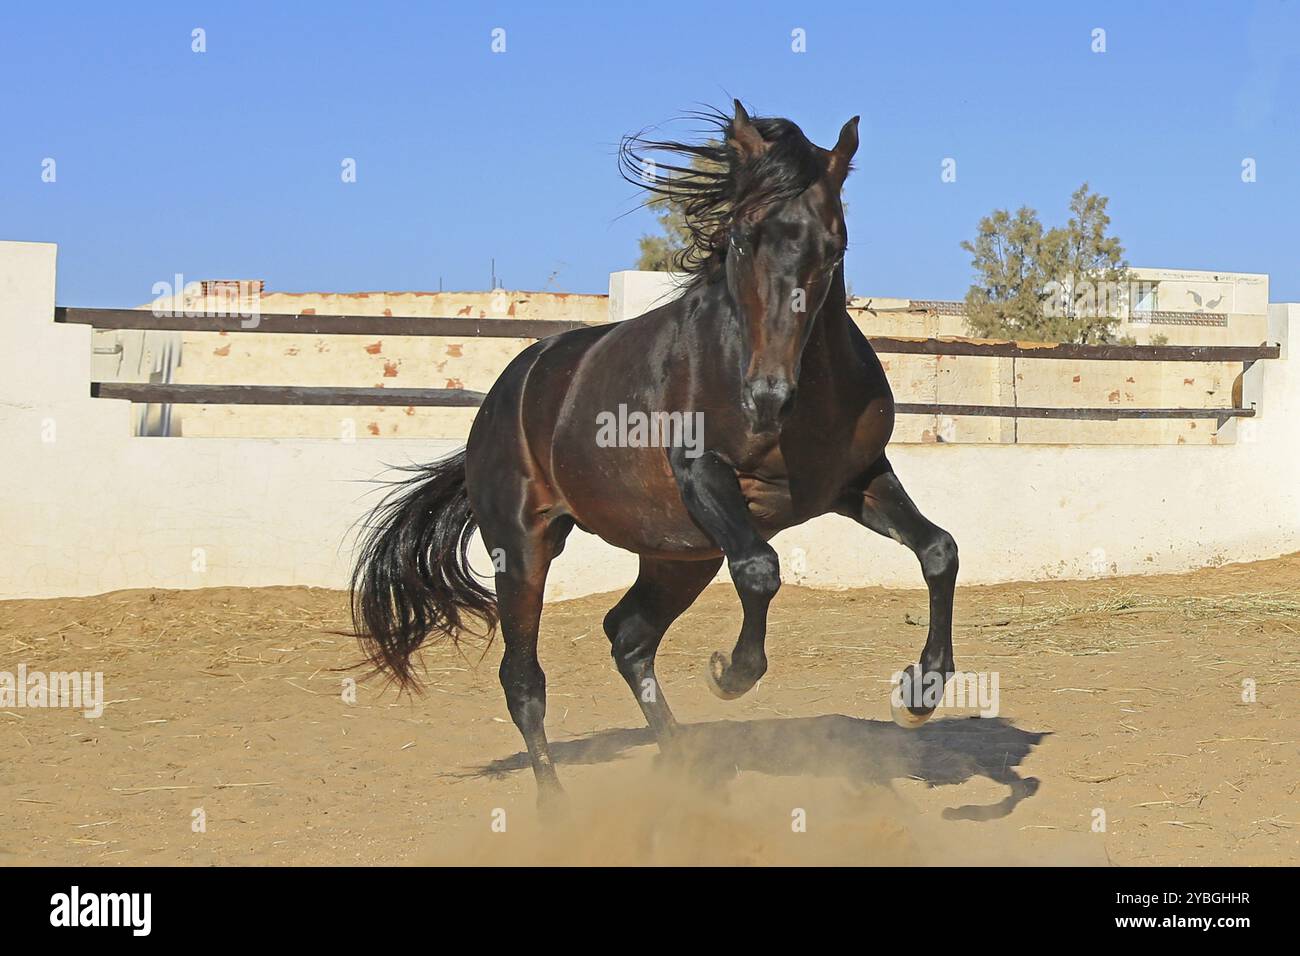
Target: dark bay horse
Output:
{"points": [[795, 414]]}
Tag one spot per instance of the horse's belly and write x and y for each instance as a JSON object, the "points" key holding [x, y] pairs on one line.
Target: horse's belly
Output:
{"points": [[627, 496], [650, 518]]}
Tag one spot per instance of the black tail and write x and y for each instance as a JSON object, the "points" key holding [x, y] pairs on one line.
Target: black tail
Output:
{"points": [[412, 576]]}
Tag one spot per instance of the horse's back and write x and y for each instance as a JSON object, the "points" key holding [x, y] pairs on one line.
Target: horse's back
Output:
{"points": [[512, 431]]}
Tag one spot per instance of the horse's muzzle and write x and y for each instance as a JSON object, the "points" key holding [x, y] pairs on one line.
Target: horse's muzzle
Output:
{"points": [[767, 400]]}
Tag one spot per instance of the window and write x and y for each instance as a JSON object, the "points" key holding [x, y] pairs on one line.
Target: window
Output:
{"points": [[1145, 301]]}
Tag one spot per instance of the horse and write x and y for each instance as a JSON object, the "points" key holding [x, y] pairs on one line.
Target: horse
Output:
{"points": [[796, 414]]}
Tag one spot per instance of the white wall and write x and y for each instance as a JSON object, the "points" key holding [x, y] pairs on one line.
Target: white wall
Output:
{"points": [[632, 293], [86, 508]]}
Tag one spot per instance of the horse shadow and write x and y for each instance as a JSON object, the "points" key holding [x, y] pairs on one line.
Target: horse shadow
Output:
{"points": [[944, 752]]}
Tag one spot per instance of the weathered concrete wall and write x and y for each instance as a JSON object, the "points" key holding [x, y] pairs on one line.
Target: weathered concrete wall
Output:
{"points": [[475, 363], [352, 360], [87, 508]]}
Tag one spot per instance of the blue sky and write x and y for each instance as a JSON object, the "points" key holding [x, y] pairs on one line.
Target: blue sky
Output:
{"points": [[226, 164]]}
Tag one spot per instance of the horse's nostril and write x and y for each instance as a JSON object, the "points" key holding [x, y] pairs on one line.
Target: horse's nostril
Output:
{"points": [[768, 399]]}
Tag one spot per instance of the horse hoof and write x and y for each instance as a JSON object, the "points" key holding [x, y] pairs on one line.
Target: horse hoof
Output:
{"points": [[719, 664], [902, 714], [905, 718]]}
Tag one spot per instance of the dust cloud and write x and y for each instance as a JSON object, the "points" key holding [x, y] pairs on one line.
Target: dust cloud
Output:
{"points": [[704, 809]]}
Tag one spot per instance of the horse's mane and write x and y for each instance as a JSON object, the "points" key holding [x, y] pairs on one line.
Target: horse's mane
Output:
{"points": [[715, 186]]}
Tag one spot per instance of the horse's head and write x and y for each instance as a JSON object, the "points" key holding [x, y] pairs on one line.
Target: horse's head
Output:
{"points": [[761, 206], [785, 246]]}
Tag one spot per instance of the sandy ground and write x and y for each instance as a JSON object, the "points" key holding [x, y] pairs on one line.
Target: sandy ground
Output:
{"points": [[1122, 734]]}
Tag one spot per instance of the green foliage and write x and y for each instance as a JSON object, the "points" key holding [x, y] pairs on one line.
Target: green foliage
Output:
{"points": [[1008, 296], [1064, 284], [659, 253]]}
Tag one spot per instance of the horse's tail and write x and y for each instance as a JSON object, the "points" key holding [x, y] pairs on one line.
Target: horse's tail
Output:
{"points": [[412, 576]]}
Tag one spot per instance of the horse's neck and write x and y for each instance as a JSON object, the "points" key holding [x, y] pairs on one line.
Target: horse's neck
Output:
{"points": [[830, 341]]}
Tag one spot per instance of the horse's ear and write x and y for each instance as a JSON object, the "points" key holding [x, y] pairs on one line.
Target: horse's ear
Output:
{"points": [[842, 154], [744, 135]]}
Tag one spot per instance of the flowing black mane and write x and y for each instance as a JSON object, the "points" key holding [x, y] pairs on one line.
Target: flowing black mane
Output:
{"points": [[717, 186]]}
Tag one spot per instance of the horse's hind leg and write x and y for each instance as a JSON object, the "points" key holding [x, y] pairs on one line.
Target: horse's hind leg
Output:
{"points": [[712, 495], [526, 556], [884, 507], [637, 623]]}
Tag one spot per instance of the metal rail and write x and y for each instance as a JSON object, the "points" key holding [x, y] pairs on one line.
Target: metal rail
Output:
{"points": [[423, 325], [153, 394]]}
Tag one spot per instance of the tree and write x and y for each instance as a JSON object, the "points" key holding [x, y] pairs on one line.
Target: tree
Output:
{"points": [[1008, 296], [1065, 284], [659, 253], [662, 253]]}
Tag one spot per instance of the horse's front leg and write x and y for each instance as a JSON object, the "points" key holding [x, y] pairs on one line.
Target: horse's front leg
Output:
{"points": [[883, 506], [711, 492]]}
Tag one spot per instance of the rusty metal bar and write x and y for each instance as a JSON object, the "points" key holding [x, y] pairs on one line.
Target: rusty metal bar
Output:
{"points": [[151, 394], [540, 328], [1105, 353], [1081, 414], [318, 324]]}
